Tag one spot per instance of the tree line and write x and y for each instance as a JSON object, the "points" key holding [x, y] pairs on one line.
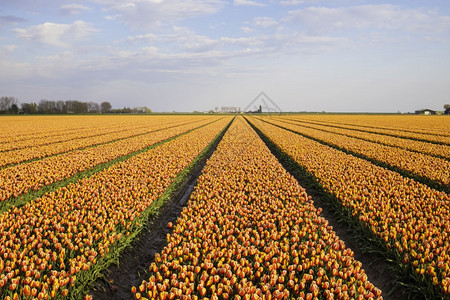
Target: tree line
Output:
{"points": [[9, 105]]}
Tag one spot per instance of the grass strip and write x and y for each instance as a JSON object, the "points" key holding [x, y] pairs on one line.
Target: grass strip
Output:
{"points": [[86, 278], [31, 195], [424, 180]]}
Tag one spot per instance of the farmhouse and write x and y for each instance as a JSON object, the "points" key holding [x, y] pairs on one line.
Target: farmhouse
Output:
{"points": [[425, 112]]}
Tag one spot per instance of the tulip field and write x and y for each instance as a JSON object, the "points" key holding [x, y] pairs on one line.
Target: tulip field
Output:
{"points": [[429, 168], [20, 178], [54, 242], [410, 219], [250, 231], [77, 192]]}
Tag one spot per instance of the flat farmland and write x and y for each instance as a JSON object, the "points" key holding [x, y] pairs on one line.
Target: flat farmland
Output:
{"points": [[265, 204]]}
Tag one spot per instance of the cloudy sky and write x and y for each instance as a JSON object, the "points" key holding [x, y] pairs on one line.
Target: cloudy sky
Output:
{"points": [[306, 55]]}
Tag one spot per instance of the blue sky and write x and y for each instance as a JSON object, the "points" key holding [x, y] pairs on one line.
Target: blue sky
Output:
{"points": [[307, 55]]}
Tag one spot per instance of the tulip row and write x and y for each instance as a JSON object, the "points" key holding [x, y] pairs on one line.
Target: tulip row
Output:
{"points": [[431, 129], [14, 129], [430, 134], [425, 166], [46, 138], [250, 231], [46, 244], [410, 219], [22, 178], [437, 150], [17, 128], [27, 151]]}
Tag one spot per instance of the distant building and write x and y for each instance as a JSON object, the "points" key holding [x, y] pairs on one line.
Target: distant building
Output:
{"points": [[230, 109], [268, 105], [256, 111], [425, 112]]}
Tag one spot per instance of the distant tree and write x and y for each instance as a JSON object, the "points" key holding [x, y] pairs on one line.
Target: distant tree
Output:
{"points": [[105, 107], [146, 110], [61, 106], [29, 108], [69, 106], [447, 109], [141, 110], [47, 107], [80, 107], [6, 103], [125, 110], [93, 107], [14, 109]]}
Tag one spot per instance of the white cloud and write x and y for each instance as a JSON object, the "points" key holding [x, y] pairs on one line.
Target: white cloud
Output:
{"points": [[297, 2], [73, 9], [383, 16], [259, 23], [264, 22], [7, 49], [59, 35], [248, 3], [148, 37], [112, 17], [186, 40], [184, 46], [247, 29], [325, 2], [149, 14]]}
